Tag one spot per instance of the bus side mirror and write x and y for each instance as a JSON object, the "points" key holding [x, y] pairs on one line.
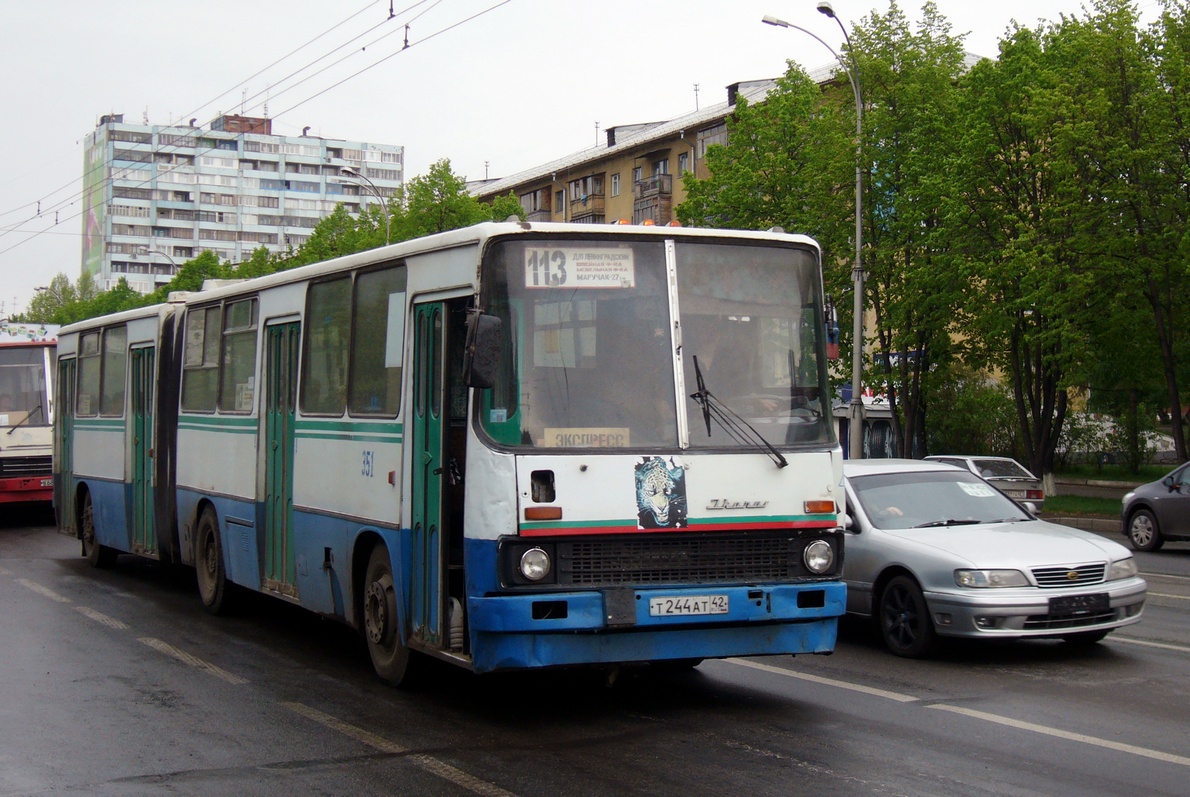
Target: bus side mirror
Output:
{"points": [[481, 358]]}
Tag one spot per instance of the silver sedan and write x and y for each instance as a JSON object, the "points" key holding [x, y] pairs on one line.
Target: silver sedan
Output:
{"points": [[934, 551]]}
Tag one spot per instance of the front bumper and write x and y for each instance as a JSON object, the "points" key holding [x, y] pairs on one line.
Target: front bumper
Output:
{"points": [[1012, 613], [615, 625]]}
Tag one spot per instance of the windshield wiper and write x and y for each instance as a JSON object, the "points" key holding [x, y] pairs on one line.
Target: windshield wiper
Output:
{"points": [[25, 420], [736, 427], [946, 522]]}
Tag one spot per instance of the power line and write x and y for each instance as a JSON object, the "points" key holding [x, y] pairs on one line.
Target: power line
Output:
{"points": [[406, 45]]}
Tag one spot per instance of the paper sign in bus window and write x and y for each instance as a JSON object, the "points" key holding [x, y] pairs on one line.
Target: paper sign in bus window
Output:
{"points": [[573, 267]]}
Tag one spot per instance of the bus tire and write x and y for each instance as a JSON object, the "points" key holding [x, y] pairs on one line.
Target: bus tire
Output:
{"points": [[97, 555], [213, 587], [390, 656]]}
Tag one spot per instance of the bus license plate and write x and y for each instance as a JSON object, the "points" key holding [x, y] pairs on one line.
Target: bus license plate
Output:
{"points": [[687, 605], [47, 482]]}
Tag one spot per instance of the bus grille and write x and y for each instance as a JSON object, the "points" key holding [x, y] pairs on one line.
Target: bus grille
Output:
{"points": [[682, 559], [24, 467], [1073, 576]]}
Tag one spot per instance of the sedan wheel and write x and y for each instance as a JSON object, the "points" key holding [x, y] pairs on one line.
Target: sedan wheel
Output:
{"points": [[1143, 532], [904, 619]]}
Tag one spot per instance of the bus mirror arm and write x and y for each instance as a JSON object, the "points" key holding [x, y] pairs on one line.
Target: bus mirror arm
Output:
{"points": [[481, 358]]}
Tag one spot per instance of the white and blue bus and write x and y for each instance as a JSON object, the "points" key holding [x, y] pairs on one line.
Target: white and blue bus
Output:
{"points": [[506, 446]]}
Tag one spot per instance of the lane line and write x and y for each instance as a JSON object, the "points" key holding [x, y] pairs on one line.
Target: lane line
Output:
{"points": [[193, 661], [1157, 755], [1167, 595], [4, 571], [43, 591], [1146, 643], [426, 762], [100, 617], [867, 690]]}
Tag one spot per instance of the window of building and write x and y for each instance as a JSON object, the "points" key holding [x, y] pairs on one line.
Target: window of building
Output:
{"points": [[637, 173], [683, 162], [616, 184]]}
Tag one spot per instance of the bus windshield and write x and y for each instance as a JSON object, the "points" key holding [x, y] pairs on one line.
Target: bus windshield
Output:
{"points": [[23, 399], [591, 335]]}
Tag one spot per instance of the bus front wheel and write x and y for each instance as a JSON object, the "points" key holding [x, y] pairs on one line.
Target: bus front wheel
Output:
{"points": [[213, 587], [97, 555], [390, 656]]}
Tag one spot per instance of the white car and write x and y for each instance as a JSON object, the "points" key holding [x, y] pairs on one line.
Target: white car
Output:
{"points": [[933, 551], [1005, 474]]}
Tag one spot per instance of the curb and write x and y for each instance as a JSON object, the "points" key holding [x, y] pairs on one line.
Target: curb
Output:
{"points": [[1099, 525]]}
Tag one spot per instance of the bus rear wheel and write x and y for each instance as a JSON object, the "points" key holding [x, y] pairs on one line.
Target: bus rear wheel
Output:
{"points": [[213, 587], [390, 656], [97, 555]]}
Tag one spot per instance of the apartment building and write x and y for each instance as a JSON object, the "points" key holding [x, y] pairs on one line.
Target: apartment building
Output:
{"points": [[157, 196], [635, 175]]}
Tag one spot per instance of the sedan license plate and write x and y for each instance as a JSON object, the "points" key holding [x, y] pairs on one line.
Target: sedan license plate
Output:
{"points": [[1079, 605], [687, 605]]}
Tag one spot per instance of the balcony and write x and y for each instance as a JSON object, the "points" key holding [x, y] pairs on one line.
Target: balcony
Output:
{"points": [[657, 185], [589, 206]]}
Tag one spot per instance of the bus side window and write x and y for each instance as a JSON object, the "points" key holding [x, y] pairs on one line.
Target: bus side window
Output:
{"points": [[325, 352], [115, 369]]}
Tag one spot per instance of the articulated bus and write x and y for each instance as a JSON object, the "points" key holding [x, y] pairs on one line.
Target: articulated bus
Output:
{"points": [[508, 446], [26, 412]]}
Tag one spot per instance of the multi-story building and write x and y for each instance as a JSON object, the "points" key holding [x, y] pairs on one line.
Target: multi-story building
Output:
{"points": [[157, 196], [636, 175]]}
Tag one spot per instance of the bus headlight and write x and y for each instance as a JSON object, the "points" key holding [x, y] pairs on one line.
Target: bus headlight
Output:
{"points": [[819, 556], [535, 564]]}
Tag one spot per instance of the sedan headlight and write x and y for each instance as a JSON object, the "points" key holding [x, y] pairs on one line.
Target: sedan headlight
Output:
{"points": [[985, 579], [819, 556], [1124, 568]]}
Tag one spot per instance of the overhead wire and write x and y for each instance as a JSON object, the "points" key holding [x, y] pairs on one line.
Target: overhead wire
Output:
{"points": [[106, 164]]}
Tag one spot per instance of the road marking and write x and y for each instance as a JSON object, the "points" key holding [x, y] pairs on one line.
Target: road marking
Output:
{"points": [[867, 690], [1167, 595], [1169, 758], [1135, 641], [44, 591], [426, 762], [100, 617], [193, 661], [5, 571]]}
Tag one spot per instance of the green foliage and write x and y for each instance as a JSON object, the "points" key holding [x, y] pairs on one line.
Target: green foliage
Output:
{"points": [[974, 415]]}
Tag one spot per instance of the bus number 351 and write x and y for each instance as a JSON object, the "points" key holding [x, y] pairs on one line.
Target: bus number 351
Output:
{"points": [[545, 268]]}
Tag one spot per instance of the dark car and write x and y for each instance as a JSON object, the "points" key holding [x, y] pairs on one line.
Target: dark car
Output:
{"points": [[1158, 511]]}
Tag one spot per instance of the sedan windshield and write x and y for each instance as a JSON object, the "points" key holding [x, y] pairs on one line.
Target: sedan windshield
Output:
{"points": [[929, 499]]}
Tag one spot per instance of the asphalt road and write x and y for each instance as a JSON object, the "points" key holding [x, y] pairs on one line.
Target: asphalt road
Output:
{"points": [[115, 682]]}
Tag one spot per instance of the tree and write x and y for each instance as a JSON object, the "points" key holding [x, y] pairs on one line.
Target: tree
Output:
{"points": [[46, 304], [783, 163], [436, 202], [910, 87]]}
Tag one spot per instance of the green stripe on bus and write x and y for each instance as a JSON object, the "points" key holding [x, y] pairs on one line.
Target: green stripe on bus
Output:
{"points": [[359, 438]]}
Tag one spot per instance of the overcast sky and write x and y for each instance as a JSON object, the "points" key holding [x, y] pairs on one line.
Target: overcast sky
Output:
{"points": [[496, 86]]}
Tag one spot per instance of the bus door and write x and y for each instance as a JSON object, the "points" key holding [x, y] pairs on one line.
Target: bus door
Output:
{"points": [[438, 417], [144, 535], [280, 397], [64, 448]]}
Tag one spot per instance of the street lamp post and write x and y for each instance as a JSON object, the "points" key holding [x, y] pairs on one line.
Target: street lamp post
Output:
{"points": [[856, 427], [347, 171]]}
